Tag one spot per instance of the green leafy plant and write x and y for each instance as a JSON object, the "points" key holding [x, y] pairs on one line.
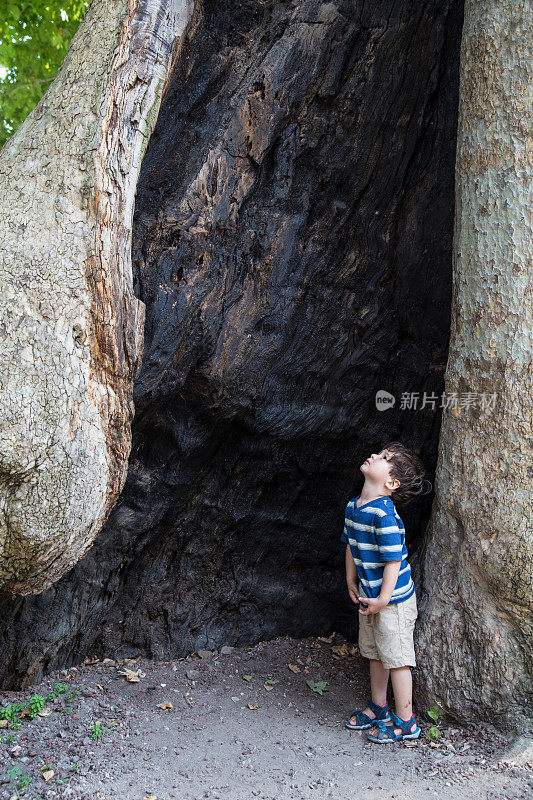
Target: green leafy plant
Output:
{"points": [[14, 772], [318, 686], [433, 733], [97, 731], [247, 678], [23, 782], [36, 704], [271, 681]]}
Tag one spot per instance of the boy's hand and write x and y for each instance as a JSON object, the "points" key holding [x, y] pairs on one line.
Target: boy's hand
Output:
{"points": [[374, 604], [353, 591]]}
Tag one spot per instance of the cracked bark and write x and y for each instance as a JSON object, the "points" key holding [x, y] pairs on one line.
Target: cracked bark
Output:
{"points": [[71, 328], [475, 634]]}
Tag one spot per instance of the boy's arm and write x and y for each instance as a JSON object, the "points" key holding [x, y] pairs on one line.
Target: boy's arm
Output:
{"points": [[390, 576], [351, 571]]}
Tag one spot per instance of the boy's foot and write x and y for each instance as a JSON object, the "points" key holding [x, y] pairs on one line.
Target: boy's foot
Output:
{"points": [[360, 720], [394, 728], [368, 711]]}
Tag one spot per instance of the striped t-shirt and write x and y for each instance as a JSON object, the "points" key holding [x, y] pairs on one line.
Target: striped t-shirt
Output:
{"points": [[376, 534]]}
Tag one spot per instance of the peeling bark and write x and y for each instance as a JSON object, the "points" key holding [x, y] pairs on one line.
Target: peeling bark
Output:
{"points": [[475, 633], [71, 327]]}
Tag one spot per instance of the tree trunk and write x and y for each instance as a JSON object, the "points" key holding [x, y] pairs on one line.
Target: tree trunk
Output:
{"points": [[474, 637], [292, 244], [72, 329]]}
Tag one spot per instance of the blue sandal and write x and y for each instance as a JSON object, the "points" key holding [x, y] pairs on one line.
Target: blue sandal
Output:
{"points": [[364, 721], [386, 732]]}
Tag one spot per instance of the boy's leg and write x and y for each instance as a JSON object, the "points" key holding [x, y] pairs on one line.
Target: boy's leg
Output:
{"points": [[379, 679], [402, 685]]}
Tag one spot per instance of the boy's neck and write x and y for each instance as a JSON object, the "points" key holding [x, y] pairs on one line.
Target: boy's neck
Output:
{"points": [[369, 492]]}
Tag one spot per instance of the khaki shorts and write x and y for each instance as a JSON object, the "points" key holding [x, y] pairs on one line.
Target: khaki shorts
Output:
{"points": [[388, 635]]}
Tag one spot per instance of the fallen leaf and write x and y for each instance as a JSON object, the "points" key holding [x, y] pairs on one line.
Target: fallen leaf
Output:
{"points": [[108, 661], [247, 677], [131, 660], [150, 797], [91, 660], [268, 687], [344, 650], [328, 640], [316, 645], [165, 705], [293, 668], [45, 712], [251, 706], [25, 713], [3, 723], [99, 686], [133, 676], [48, 774]]}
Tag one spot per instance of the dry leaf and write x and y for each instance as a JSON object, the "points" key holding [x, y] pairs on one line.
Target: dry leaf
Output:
{"points": [[328, 640], [293, 668], [91, 660], [131, 660], [251, 706], [3, 723], [133, 676], [165, 705], [48, 774], [344, 651], [25, 713], [99, 686], [150, 797], [108, 661], [316, 645], [45, 712], [268, 687]]}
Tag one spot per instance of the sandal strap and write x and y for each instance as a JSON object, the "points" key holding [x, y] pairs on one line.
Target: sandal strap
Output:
{"points": [[377, 709], [405, 725]]}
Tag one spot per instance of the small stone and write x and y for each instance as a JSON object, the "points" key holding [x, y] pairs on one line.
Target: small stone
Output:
{"points": [[192, 673], [15, 751], [205, 653], [226, 650]]}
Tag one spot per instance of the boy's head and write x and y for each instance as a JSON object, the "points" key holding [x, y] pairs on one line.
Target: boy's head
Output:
{"points": [[396, 471]]}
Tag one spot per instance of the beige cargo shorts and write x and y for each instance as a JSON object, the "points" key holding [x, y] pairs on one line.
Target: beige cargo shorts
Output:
{"points": [[388, 635]]}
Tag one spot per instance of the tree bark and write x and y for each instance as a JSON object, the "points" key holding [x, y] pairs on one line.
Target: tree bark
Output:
{"points": [[475, 634], [71, 326], [292, 244]]}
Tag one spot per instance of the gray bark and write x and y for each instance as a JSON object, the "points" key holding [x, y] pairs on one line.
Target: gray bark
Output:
{"points": [[71, 329], [475, 634]]}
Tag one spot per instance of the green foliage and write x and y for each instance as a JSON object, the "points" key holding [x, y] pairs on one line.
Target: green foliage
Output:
{"points": [[318, 686], [433, 733], [34, 38], [36, 704], [97, 731]]}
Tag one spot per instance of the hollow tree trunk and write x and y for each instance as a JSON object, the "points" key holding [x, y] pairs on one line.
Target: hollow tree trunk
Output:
{"points": [[292, 244], [475, 636], [71, 327]]}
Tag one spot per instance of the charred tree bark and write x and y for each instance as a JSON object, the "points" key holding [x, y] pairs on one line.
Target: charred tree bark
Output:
{"points": [[292, 244], [475, 635], [71, 327]]}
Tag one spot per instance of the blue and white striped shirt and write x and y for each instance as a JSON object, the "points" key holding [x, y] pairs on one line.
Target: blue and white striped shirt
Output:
{"points": [[376, 534]]}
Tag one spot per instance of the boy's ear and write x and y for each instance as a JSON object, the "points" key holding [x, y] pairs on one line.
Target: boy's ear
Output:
{"points": [[393, 484]]}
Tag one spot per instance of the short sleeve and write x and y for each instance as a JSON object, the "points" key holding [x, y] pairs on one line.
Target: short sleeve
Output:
{"points": [[344, 535], [389, 537]]}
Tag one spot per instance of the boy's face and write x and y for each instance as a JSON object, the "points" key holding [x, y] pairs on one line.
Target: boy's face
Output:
{"points": [[376, 468]]}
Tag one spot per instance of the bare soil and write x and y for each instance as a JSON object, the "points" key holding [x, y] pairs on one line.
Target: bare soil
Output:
{"points": [[196, 728]]}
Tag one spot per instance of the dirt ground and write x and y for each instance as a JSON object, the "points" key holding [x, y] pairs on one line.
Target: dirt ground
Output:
{"points": [[239, 723]]}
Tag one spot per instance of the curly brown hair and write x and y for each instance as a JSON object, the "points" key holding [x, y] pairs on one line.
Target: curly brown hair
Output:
{"points": [[408, 468]]}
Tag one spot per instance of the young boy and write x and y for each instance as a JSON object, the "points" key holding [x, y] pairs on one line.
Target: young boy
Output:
{"points": [[376, 554]]}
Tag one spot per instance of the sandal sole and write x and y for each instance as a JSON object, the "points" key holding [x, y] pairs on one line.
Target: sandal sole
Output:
{"points": [[414, 735]]}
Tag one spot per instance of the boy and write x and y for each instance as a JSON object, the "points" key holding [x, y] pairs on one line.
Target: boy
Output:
{"points": [[376, 554]]}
